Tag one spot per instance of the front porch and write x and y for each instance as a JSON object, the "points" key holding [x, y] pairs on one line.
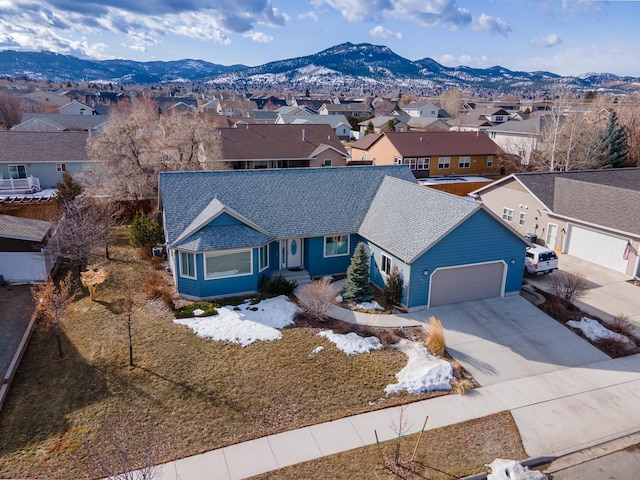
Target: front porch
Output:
{"points": [[300, 276]]}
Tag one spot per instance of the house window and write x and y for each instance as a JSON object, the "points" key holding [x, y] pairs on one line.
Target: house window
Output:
{"points": [[61, 167], [412, 163], [507, 214], [397, 161], [499, 118], [336, 245], [444, 162], [464, 162], [423, 163], [17, 171], [490, 161], [261, 164], [233, 263], [263, 257], [492, 134], [327, 162], [385, 264], [523, 217], [187, 265]]}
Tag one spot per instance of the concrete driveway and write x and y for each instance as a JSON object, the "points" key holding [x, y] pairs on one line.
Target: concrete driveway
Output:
{"points": [[609, 293], [503, 339]]}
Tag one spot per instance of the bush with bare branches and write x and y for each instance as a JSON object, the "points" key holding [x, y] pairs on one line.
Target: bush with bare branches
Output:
{"points": [[567, 286], [156, 286], [435, 341], [317, 298]]}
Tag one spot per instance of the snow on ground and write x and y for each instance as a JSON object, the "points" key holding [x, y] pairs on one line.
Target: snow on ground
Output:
{"points": [[423, 372], [370, 306], [352, 343], [594, 331], [511, 470], [248, 324]]}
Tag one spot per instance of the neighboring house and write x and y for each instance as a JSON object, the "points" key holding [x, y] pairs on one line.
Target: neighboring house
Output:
{"points": [[590, 214], [78, 108], [340, 125], [469, 122], [47, 98], [39, 158], [384, 123], [281, 146], [22, 249], [225, 230], [40, 122], [421, 110], [520, 138], [346, 109], [431, 154], [182, 104]]}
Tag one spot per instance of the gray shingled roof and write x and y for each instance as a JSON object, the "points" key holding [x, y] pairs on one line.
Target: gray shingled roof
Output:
{"points": [[283, 202], [310, 202], [23, 228], [409, 219], [43, 147], [62, 122], [542, 184]]}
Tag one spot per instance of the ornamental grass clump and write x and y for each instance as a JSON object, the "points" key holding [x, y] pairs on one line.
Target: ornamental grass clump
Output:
{"points": [[435, 341], [317, 298]]}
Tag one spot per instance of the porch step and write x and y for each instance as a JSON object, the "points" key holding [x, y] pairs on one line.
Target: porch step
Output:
{"points": [[301, 276]]}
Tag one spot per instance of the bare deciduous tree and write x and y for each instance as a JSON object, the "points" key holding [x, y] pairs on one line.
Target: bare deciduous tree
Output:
{"points": [[10, 110], [51, 303], [317, 298], [138, 142]]}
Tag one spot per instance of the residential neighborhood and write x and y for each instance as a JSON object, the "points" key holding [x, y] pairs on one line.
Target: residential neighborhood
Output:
{"points": [[274, 268]]}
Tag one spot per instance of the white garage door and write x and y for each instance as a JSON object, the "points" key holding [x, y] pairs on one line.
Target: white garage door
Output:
{"points": [[597, 247], [467, 282]]}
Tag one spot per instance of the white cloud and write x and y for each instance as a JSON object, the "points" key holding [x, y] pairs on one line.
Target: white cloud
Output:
{"points": [[547, 41], [490, 24], [380, 32], [259, 37], [312, 15], [463, 60]]}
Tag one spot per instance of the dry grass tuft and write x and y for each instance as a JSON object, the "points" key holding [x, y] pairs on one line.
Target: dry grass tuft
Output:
{"points": [[462, 386], [156, 286], [435, 341]]}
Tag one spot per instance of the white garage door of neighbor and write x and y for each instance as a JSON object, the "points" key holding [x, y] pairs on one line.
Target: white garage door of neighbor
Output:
{"points": [[597, 247], [465, 283]]}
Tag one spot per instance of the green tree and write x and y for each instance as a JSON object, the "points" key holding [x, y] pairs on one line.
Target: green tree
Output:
{"points": [[68, 190], [393, 287], [144, 231], [369, 128], [610, 148], [357, 287]]}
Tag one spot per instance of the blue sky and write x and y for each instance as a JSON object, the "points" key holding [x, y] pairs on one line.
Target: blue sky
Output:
{"points": [[568, 37]]}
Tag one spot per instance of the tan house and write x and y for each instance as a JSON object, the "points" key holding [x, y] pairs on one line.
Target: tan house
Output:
{"points": [[430, 154], [282, 146], [589, 214]]}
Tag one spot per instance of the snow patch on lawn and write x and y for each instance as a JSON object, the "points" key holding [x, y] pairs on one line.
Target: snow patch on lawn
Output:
{"points": [[246, 323], [352, 343], [511, 470], [423, 372], [595, 331]]}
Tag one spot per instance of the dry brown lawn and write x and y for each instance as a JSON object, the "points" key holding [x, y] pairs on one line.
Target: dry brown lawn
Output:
{"points": [[194, 394]]}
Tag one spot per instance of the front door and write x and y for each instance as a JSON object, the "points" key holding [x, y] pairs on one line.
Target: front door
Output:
{"points": [[552, 235], [292, 253]]}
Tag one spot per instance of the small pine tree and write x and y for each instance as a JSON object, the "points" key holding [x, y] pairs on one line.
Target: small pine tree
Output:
{"points": [[357, 287], [393, 287], [144, 231], [68, 190]]}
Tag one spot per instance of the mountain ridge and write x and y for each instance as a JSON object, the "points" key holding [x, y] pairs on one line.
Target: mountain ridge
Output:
{"points": [[365, 66]]}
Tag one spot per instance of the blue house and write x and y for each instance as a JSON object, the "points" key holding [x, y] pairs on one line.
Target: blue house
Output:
{"points": [[224, 230]]}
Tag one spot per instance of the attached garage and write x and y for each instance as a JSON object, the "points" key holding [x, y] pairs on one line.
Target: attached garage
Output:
{"points": [[467, 282], [597, 247]]}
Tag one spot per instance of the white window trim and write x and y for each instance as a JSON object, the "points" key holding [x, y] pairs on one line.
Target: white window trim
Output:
{"points": [[17, 172], [441, 163], [337, 254], [388, 262], [489, 160], [522, 218], [261, 268], [327, 162], [195, 267], [218, 277], [506, 215], [424, 163], [464, 162]]}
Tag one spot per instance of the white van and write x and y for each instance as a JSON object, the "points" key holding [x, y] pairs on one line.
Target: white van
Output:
{"points": [[539, 260]]}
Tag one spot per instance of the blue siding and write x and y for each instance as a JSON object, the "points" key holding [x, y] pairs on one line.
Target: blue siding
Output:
{"points": [[226, 219], [317, 264], [201, 288], [481, 238]]}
